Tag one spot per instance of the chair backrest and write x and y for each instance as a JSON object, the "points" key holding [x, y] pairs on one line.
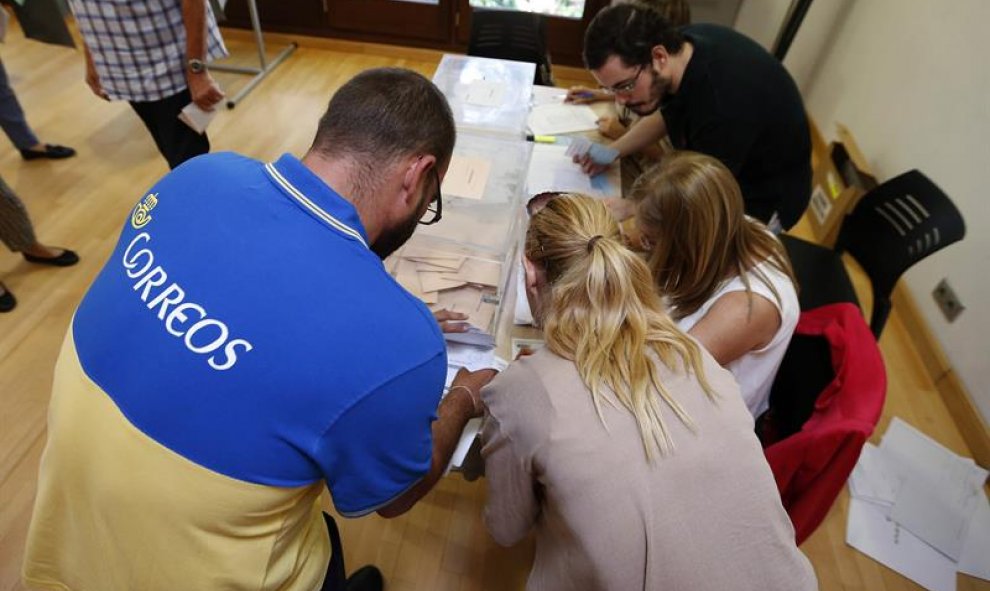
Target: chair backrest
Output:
{"points": [[894, 226], [512, 35], [812, 465]]}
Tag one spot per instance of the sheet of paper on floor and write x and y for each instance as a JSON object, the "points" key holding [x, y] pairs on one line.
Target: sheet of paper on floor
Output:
{"points": [[877, 536], [938, 490], [561, 118], [918, 506], [975, 559]]}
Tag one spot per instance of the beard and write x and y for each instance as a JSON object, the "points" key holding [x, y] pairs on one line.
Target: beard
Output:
{"points": [[393, 239], [659, 86]]}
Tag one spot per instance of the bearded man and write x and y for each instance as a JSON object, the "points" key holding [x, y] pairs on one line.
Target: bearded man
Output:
{"points": [[710, 90]]}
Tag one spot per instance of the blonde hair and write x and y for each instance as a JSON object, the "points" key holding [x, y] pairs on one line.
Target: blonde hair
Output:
{"points": [[691, 208], [603, 313]]}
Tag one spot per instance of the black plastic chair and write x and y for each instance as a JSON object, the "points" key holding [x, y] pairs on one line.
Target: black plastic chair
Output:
{"points": [[895, 225], [512, 35]]}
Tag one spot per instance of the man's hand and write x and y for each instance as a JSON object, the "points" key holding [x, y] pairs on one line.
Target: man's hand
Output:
{"points": [[446, 319], [589, 166], [92, 78], [204, 90], [582, 95], [471, 382], [598, 158]]}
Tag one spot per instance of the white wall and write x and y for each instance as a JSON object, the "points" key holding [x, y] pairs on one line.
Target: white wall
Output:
{"points": [[911, 80], [761, 20]]}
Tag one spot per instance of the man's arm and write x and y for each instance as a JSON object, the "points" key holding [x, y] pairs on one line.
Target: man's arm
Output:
{"points": [[461, 404], [203, 88], [648, 130]]}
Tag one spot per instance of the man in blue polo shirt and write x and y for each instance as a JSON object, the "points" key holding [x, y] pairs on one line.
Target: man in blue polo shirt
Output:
{"points": [[245, 345]]}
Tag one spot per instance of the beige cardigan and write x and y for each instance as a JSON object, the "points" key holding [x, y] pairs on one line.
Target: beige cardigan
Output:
{"points": [[705, 517]]}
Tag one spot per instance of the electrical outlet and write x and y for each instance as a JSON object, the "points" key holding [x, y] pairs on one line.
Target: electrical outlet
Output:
{"points": [[947, 301]]}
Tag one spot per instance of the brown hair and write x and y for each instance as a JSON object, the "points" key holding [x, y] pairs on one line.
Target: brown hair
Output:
{"points": [[630, 31], [603, 313], [383, 114], [692, 210]]}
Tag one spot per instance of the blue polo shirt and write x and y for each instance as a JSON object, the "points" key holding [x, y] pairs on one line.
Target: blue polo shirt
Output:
{"points": [[241, 346]]}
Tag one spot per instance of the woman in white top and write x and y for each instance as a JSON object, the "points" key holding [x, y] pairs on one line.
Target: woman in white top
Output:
{"points": [[726, 279]]}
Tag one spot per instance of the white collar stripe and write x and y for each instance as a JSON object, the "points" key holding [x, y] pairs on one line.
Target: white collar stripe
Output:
{"points": [[314, 208]]}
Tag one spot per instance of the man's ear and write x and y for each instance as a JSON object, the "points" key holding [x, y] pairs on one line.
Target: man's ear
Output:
{"points": [[660, 57], [417, 173]]}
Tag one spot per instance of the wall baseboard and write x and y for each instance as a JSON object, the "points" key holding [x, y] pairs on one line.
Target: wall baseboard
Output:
{"points": [[957, 399], [379, 49]]}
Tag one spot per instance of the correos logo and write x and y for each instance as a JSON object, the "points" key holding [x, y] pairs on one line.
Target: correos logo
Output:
{"points": [[182, 319], [142, 212]]}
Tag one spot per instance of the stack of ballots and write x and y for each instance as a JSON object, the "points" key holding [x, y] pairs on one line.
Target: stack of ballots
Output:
{"points": [[920, 509], [451, 280]]}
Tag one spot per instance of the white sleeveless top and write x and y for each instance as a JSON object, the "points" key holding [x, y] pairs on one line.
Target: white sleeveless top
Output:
{"points": [[756, 370]]}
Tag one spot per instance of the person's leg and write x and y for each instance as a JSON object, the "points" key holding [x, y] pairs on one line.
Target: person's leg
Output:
{"points": [[16, 231], [12, 116], [175, 140], [366, 578], [336, 578]]}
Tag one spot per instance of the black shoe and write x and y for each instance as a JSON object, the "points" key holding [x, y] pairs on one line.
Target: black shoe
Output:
{"points": [[366, 578], [7, 299], [66, 259], [51, 151]]}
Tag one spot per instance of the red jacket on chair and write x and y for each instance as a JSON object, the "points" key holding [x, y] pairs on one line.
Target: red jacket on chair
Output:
{"points": [[812, 465]]}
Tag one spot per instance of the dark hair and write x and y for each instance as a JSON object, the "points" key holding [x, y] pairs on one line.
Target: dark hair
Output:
{"points": [[630, 31], [385, 113], [677, 12]]}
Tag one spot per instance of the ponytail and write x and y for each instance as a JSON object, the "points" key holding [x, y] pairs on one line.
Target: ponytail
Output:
{"points": [[602, 312]]}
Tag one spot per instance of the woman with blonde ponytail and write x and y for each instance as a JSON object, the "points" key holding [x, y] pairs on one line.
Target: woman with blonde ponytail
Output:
{"points": [[622, 443]]}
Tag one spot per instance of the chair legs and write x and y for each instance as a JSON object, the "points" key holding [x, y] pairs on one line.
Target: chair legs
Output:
{"points": [[881, 310]]}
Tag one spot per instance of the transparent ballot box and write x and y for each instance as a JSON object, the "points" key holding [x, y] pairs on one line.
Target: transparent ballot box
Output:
{"points": [[455, 277], [487, 95], [481, 193]]}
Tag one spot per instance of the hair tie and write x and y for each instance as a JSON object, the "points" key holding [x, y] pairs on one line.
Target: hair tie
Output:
{"points": [[591, 243]]}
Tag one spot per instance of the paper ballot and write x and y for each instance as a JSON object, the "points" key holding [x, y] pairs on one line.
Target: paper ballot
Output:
{"points": [[466, 177], [196, 118], [556, 118]]}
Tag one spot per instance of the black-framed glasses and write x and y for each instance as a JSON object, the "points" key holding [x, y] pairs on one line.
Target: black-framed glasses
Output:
{"points": [[436, 204], [627, 86]]}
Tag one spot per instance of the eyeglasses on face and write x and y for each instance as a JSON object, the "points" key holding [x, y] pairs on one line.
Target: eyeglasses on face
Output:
{"points": [[626, 86], [435, 209]]}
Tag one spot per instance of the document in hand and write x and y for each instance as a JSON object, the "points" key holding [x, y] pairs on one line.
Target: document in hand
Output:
{"points": [[197, 119]]}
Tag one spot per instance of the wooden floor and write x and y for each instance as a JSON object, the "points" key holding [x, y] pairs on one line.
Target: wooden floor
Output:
{"points": [[82, 202]]}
